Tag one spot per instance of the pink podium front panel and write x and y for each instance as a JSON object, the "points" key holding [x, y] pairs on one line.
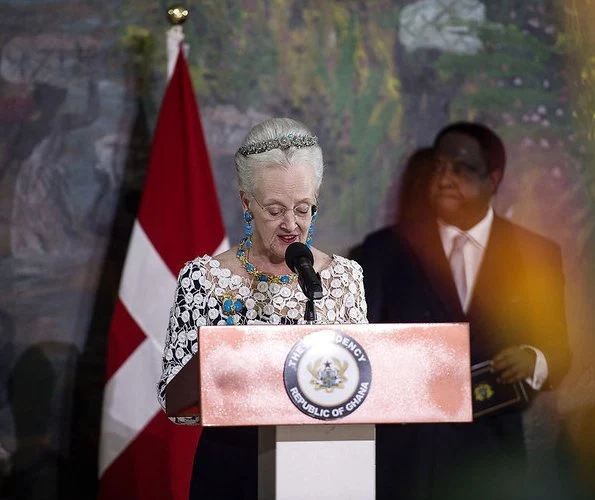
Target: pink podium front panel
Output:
{"points": [[419, 373]]}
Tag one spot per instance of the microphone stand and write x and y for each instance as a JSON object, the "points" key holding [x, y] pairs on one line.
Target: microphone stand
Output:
{"points": [[300, 260], [310, 312]]}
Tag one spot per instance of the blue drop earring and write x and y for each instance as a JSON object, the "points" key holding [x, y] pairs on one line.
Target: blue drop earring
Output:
{"points": [[311, 228], [248, 229]]}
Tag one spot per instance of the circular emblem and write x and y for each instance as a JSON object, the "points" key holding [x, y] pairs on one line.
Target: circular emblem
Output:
{"points": [[327, 375], [483, 392]]}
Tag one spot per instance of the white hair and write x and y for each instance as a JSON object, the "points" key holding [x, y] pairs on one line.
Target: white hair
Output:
{"points": [[274, 128]]}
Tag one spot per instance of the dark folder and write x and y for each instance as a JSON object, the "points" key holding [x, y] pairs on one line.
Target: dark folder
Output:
{"points": [[490, 396]]}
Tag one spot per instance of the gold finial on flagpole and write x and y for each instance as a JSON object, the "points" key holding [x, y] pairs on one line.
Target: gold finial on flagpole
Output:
{"points": [[177, 14]]}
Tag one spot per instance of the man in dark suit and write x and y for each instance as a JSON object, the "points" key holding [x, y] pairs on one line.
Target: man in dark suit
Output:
{"points": [[460, 262]]}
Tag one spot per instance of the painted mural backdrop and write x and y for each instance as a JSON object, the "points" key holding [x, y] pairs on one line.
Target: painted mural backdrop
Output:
{"points": [[80, 86]]}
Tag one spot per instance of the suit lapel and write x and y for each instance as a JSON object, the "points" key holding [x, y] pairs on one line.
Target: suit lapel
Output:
{"points": [[497, 252], [425, 243]]}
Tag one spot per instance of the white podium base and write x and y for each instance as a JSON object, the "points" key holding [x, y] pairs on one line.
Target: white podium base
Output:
{"points": [[317, 461]]}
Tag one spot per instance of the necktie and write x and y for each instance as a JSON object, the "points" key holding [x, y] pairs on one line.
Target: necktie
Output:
{"points": [[457, 265]]}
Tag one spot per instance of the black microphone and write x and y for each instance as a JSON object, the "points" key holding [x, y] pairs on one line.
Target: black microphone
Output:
{"points": [[300, 260]]}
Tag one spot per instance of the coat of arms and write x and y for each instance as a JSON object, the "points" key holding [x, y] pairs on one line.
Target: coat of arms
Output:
{"points": [[328, 374]]}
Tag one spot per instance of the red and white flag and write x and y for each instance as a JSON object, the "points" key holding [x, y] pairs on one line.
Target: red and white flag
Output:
{"points": [[142, 454]]}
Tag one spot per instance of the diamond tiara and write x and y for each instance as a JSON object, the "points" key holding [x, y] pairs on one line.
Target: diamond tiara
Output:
{"points": [[283, 142]]}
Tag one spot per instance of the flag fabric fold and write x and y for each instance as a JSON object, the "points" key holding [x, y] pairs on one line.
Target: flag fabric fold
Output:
{"points": [[142, 454]]}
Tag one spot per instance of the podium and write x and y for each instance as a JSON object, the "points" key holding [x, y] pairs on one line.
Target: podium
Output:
{"points": [[316, 392]]}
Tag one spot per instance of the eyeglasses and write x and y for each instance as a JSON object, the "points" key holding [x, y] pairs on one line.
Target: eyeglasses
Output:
{"points": [[276, 212], [459, 168]]}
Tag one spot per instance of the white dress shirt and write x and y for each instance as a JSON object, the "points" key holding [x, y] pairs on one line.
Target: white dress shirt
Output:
{"points": [[473, 251]]}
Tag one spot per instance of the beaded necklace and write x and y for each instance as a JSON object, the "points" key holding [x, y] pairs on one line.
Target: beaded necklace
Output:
{"points": [[260, 276]]}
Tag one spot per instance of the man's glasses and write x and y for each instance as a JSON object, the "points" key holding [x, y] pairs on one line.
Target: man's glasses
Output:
{"points": [[459, 168], [276, 212]]}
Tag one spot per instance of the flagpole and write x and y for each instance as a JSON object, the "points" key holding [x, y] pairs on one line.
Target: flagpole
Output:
{"points": [[177, 15]]}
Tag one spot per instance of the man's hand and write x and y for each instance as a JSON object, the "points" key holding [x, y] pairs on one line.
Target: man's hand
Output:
{"points": [[514, 364]]}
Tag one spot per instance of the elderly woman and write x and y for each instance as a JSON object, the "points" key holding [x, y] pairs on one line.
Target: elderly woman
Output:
{"points": [[279, 170]]}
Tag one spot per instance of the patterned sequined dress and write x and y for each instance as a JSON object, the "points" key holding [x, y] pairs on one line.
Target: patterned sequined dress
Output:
{"points": [[209, 294]]}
